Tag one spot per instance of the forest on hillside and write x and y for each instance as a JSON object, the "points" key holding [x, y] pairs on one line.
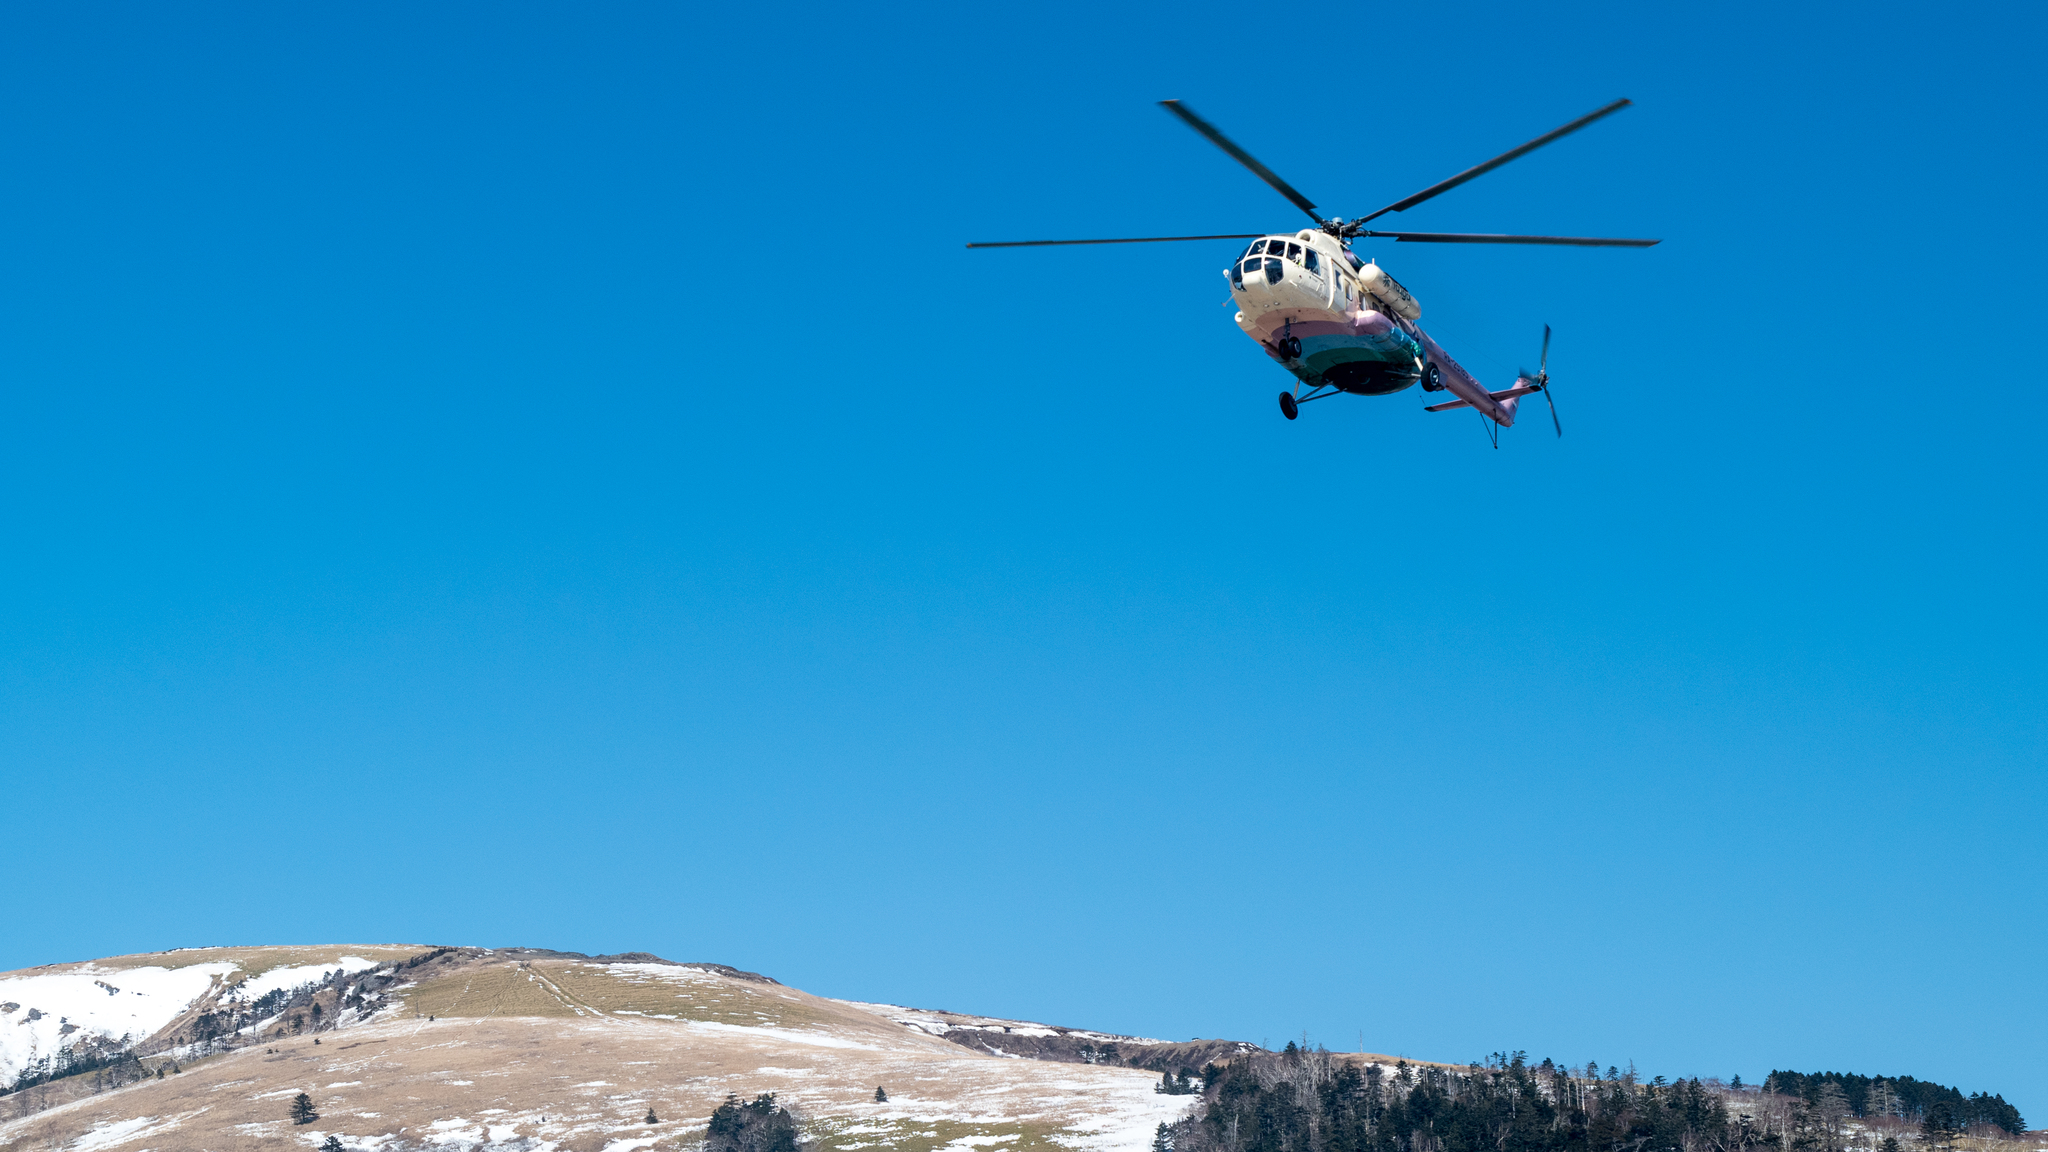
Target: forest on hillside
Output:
{"points": [[1302, 1100], [1902, 1097]]}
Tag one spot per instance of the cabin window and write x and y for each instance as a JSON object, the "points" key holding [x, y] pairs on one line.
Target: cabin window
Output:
{"points": [[1310, 261], [1294, 251]]}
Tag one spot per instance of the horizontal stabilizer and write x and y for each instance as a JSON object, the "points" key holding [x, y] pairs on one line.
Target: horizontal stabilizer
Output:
{"points": [[1503, 394]]}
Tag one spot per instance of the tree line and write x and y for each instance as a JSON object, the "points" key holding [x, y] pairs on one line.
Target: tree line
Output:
{"points": [[1302, 1100], [1902, 1097], [112, 1060]]}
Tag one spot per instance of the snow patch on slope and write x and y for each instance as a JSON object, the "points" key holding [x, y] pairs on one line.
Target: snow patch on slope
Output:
{"points": [[817, 1039], [90, 1000], [939, 1023], [1133, 1114], [127, 1131], [256, 987]]}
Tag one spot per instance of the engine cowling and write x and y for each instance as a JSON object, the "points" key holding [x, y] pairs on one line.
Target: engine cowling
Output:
{"points": [[1384, 288]]}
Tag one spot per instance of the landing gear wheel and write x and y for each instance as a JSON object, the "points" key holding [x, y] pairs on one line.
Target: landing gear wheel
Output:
{"points": [[1432, 379], [1288, 407], [1291, 347]]}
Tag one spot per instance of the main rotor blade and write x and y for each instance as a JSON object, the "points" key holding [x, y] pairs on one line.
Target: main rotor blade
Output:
{"points": [[1241, 156], [1118, 240], [1497, 161], [1498, 238]]}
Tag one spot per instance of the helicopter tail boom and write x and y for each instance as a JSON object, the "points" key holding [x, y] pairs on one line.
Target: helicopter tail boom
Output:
{"points": [[1496, 406], [1507, 397]]}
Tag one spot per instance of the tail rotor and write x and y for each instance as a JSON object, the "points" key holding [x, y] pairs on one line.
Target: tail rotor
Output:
{"points": [[1541, 379]]}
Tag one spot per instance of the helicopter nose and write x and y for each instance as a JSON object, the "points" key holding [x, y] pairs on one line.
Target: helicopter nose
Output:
{"points": [[1256, 274]]}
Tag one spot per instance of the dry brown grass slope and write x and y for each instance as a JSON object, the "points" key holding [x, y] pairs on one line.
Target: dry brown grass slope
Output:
{"points": [[544, 1053]]}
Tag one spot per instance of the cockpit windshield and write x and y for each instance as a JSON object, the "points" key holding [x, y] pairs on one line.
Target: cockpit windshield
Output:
{"points": [[1274, 250]]}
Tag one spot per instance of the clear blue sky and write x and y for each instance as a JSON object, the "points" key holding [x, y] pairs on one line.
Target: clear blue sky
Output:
{"points": [[549, 475]]}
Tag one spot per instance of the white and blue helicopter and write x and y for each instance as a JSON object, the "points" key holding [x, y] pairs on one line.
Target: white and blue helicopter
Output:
{"points": [[1340, 324]]}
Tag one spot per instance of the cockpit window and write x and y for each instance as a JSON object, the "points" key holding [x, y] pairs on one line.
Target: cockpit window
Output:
{"points": [[1257, 247], [1294, 251]]}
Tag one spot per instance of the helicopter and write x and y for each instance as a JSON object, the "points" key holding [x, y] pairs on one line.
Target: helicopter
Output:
{"points": [[1343, 325]]}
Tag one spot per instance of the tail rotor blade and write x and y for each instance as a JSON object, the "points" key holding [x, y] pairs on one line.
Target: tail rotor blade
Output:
{"points": [[1553, 412], [1544, 363]]}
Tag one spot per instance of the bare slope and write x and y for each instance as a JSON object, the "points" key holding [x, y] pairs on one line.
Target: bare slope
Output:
{"points": [[999, 1037], [529, 1050]]}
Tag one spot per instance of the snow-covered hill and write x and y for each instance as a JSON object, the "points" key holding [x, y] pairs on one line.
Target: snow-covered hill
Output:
{"points": [[45, 1009], [404, 1047]]}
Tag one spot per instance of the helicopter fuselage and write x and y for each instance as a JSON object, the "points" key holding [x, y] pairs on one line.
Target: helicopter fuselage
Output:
{"points": [[1335, 322], [1300, 297]]}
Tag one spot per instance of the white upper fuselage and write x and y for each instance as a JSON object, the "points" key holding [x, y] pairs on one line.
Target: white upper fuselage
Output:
{"points": [[1317, 284]]}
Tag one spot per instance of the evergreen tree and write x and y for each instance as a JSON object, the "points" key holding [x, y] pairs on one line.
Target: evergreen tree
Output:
{"points": [[651, 1118], [1891, 1144], [1940, 1127], [331, 1144], [881, 1097], [302, 1109], [756, 1127], [1162, 1141]]}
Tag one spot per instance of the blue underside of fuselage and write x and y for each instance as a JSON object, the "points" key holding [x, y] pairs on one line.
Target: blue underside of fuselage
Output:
{"points": [[1367, 365]]}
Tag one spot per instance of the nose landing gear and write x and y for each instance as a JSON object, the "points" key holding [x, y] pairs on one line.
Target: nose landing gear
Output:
{"points": [[1290, 404]]}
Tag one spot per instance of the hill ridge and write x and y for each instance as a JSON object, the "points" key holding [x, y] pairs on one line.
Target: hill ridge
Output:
{"points": [[401, 1047]]}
